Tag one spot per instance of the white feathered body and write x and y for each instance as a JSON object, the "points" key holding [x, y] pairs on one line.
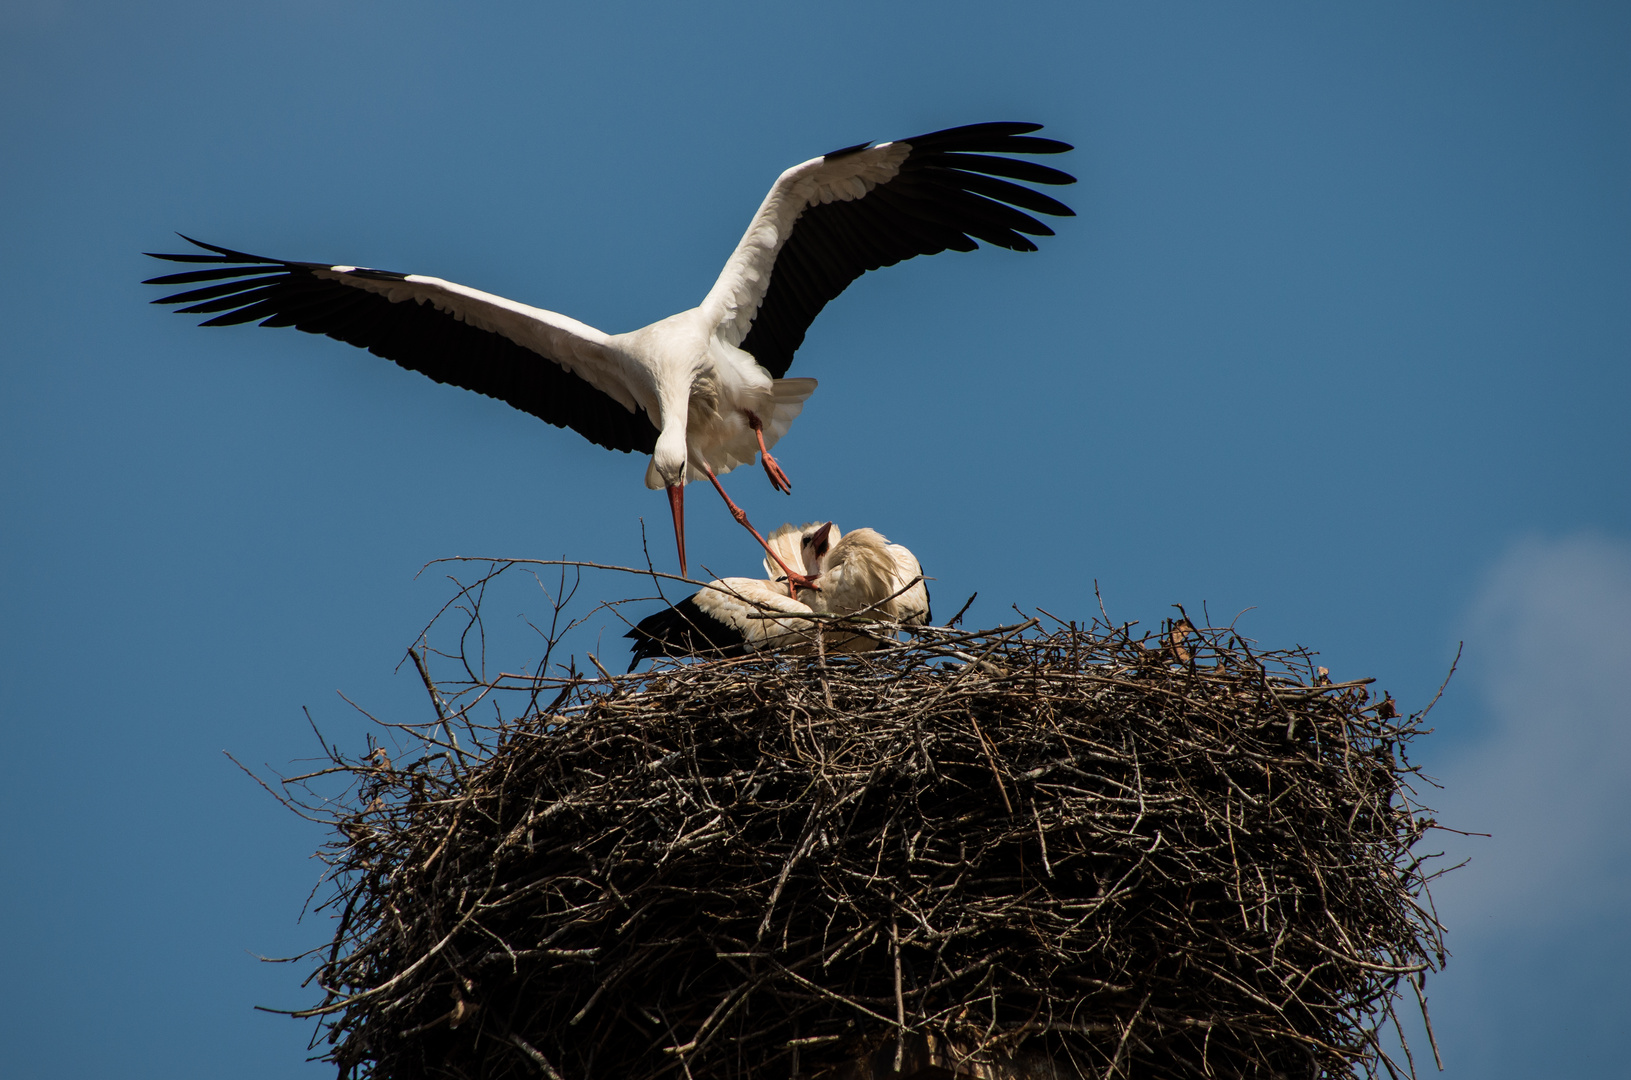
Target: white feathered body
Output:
{"points": [[861, 573]]}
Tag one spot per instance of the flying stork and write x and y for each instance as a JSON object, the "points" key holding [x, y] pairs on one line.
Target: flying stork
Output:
{"points": [[860, 572], [710, 380]]}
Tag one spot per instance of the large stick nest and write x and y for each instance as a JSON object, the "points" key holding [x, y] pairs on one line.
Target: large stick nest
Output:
{"points": [[1167, 856]]}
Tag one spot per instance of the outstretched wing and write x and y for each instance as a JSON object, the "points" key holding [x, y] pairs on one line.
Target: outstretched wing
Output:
{"points": [[828, 221], [553, 367]]}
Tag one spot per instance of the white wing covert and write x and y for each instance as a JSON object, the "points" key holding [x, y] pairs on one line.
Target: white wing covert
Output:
{"points": [[735, 298]]}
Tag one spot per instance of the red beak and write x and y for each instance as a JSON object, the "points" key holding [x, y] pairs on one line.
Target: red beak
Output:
{"points": [[676, 503]]}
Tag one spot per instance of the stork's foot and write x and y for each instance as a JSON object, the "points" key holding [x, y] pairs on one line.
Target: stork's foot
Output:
{"points": [[797, 581], [777, 478]]}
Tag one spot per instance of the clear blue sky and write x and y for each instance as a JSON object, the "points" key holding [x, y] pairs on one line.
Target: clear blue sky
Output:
{"points": [[1342, 334]]}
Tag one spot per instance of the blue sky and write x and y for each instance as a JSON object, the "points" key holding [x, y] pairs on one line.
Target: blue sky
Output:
{"points": [[1340, 336]]}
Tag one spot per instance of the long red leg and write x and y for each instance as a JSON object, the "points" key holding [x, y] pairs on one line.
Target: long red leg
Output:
{"points": [[795, 580], [778, 478]]}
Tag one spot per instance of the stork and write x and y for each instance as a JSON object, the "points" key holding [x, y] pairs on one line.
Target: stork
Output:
{"points": [[864, 572], [860, 572], [709, 380]]}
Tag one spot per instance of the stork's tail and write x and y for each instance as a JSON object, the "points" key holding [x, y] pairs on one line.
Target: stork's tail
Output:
{"points": [[790, 396]]}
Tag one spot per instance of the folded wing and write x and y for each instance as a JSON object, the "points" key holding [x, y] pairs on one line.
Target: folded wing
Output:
{"points": [[728, 617]]}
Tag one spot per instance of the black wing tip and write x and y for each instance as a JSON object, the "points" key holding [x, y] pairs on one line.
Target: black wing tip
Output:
{"points": [[647, 644], [994, 129], [222, 255], [228, 252], [651, 633], [988, 128], [377, 275], [846, 151], [984, 134], [200, 275], [186, 258]]}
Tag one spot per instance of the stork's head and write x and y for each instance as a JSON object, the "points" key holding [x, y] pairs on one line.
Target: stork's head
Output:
{"points": [[668, 459], [814, 544]]}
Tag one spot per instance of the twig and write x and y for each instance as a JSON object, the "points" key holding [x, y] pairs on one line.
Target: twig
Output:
{"points": [[538, 1059]]}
